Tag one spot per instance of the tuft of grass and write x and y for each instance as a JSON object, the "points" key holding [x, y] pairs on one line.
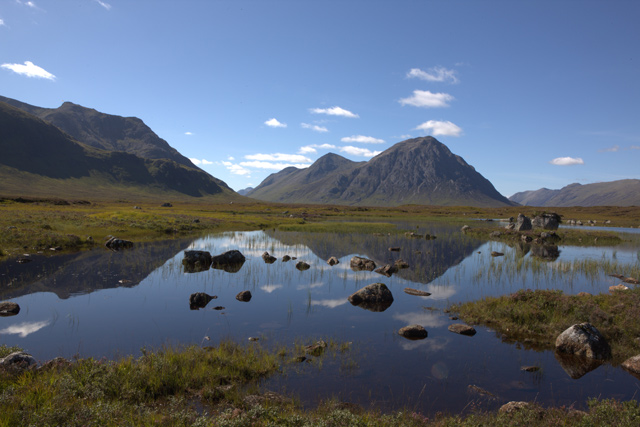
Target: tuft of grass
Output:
{"points": [[537, 317], [5, 350]]}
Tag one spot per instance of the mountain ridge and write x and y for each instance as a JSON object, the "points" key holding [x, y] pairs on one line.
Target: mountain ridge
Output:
{"points": [[625, 192], [415, 171]]}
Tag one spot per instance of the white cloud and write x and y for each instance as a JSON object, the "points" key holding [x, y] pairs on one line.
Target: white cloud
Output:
{"points": [[103, 4], [329, 303], [436, 128], [2, 24], [311, 149], [427, 99], [275, 166], [279, 157], [231, 158], [334, 111], [274, 123], [362, 139], [357, 151], [567, 161], [199, 162], [24, 329], [435, 74], [29, 69], [270, 288], [188, 133], [236, 169], [314, 127]]}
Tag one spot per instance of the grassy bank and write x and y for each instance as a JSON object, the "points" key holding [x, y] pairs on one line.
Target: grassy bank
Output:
{"points": [[536, 318], [220, 387]]}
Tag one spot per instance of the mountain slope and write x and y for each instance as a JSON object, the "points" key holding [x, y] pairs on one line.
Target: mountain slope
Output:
{"points": [[615, 193], [38, 158], [415, 171], [105, 131]]}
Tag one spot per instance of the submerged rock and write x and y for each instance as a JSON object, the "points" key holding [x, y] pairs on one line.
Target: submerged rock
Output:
{"points": [[386, 270], [200, 300], [269, 259], [302, 266], [413, 332], [244, 296], [374, 297], [316, 349], [230, 261], [333, 261], [461, 329], [116, 244], [196, 261], [358, 263], [9, 308], [576, 366], [583, 340]]}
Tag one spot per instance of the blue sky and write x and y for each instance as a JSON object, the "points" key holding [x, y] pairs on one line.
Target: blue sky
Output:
{"points": [[531, 93]]}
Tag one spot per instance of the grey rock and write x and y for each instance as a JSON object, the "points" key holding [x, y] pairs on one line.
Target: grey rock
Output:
{"points": [[461, 329], [576, 366], [302, 266], [416, 292], [199, 300], [413, 332], [8, 308], [358, 263], [583, 340], [333, 261], [244, 296], [400, 264], [523, 223], [230, 261], [513, 406], [548, 221], [374, 297], [196, 261], [269, 259], [18, 360], [386, 270], [116, 244]]}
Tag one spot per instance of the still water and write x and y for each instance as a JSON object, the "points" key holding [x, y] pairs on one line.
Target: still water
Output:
{"points": [[106, 304]]}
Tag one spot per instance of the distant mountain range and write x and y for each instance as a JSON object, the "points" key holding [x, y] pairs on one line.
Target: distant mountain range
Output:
{"points": [[107, 156], [624, 192], [415, 171]]}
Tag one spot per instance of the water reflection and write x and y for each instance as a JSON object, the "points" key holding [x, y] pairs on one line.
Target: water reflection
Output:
{"points": [[103, 317]]}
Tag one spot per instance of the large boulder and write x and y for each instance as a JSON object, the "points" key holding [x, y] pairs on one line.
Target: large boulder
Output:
{"points": [[196, 261], [374, 297], [360, 263], [548, 221], [523, 223], [230, 261], [18, 360], [583, 340], [8, 308]]}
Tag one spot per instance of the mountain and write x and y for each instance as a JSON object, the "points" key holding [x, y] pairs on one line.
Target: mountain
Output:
{"points": [[105, 131], [415, 171], [38, 159], [245, 191], [624, 192]]}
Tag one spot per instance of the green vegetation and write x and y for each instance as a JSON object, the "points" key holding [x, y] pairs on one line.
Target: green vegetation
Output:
{"points": [[341, 227], [536, 318], [219, 386]]}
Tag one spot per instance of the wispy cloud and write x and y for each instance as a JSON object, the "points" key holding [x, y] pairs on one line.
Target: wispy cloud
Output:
{"points": [[199, 162], [334, 111], [435, 74], [315, 128], [188, 133], [270, 288], [274, 166], [357, 151], [29, 4], [362, 139], [2, 24], [311, 149], [329, 303], [567, 161], [107, 6], [29, 69], [279, 157], [437, 128], [427, 99], [274, 123], [610, 149], [24, 329], [236, 169]]}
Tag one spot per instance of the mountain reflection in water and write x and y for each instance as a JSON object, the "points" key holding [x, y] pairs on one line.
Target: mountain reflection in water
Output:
{"points": [[75, 304]]}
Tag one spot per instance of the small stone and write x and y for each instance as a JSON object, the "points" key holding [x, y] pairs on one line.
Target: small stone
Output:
{"points": [[244, 296], [413, 332], [619, 287], [9, 308], [218, 307], [394, 249], [461, 329], [333, 261], [302, 266], [494, 254], [530, 368], [286, 258], [510, 407], [254, 338], [416, 292]]}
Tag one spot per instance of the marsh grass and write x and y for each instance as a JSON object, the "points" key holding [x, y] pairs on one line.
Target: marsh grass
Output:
{"points": [[538, 317], [341, 227]]}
